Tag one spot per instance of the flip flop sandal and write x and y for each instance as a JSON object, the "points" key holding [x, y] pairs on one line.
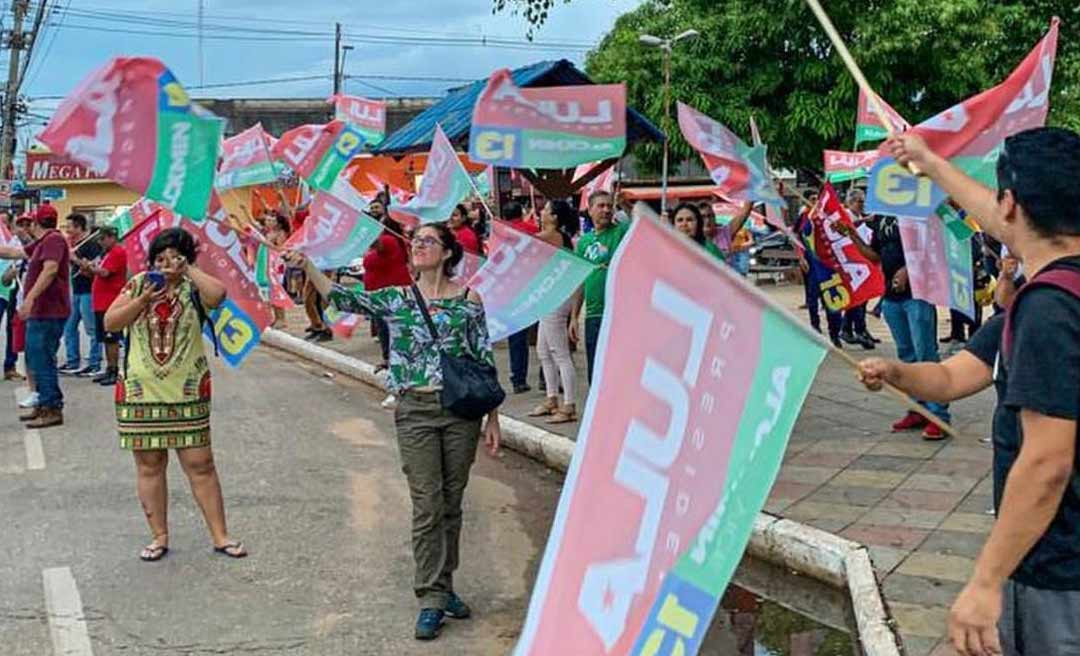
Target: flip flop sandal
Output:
{"points": [[542, 411], [153, 553], [235, 546]]}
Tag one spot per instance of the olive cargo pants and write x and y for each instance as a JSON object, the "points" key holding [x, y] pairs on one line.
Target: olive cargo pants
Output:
{"points": [[437, 451]]}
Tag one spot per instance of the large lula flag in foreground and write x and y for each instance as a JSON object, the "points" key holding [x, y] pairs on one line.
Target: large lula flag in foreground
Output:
{"points": [[241, 319], [547, 127], [246, 160], [133, 123], [523, 279], [970, 134], [939, 264], [445, 183], [334, 233], [741, 172], [868, 125], [699, 381], [368, 117], [856, 280], [319, 153]]}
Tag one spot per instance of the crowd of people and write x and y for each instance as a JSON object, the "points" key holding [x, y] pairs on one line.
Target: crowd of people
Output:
{"points": [[148, 332]]}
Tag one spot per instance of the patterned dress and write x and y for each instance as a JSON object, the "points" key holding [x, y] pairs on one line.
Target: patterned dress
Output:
{"points": [[414, 364], [163, 395]]}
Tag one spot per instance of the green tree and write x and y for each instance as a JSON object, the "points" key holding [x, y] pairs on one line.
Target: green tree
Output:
{"points": [[770, 58]]}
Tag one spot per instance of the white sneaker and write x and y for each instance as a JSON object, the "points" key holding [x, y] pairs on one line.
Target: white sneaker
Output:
{"points": [[30, 401], [389, 403]]}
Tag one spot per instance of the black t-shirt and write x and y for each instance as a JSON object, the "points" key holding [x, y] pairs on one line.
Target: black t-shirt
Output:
{"points": [[887, 244], [1042, 374], [80, 283]]}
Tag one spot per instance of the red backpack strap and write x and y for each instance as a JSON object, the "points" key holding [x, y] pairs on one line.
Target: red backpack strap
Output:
{"points": [[1065, 279]]}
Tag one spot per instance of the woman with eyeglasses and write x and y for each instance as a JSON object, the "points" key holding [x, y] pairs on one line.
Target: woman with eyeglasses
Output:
{"points": [[437, 448]]}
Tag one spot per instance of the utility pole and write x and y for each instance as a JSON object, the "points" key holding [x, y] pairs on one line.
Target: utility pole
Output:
{"points": [[11, 92], [337, 58]]}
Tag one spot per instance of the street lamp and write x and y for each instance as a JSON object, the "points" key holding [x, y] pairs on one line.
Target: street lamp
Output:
{"points": [[665, 45], [344, 52]]}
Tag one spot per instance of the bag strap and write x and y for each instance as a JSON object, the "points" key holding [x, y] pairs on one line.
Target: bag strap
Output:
{"points": [[204, 318], [1067, 280], [427, 315]]}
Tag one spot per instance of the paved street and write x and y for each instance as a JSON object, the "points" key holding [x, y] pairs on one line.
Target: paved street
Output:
{"points": [[313, 487], [919, 506]]}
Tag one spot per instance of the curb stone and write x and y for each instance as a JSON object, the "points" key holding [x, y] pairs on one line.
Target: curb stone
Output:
{"points": [[815, 553]]}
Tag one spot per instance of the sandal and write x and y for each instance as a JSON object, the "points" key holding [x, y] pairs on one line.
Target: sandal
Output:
{"points": [[544, 409], [237, 550], [563, 415], [153, 552]]}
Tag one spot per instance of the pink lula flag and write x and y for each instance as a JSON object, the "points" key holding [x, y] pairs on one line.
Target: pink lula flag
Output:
{"points": [[741, 172], [334, 233], [445, 183], [841, 166], [467, 268], [699, 379], [367, 116], [939, 264], [132, 122], [868, 125], [524, 279], [321, 153], [971, 135], [603, 182], [246, 161], [240, 321]]}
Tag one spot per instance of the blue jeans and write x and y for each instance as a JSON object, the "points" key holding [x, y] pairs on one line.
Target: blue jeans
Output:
{"points": [[913, 324], [592, 336], [7, 307], [42, 343], [740, 261], [519, 357], [81, 310]]}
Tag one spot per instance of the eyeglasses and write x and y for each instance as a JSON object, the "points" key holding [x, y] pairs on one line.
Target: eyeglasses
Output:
{"points": [[425, 242]]}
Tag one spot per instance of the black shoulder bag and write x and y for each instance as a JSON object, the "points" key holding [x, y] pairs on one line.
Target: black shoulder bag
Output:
{"points": [[470, 388]]}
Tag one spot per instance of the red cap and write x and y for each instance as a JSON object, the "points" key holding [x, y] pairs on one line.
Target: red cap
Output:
{"points": [[45, 211], [25, 216]]}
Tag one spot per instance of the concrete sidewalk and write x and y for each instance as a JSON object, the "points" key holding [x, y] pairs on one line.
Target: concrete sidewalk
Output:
{"points": [[919, 506]]}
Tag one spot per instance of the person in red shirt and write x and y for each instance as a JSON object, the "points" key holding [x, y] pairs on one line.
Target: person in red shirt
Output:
{"points": [[110, 276], [514, 214], [466, 236], [386, 264]]}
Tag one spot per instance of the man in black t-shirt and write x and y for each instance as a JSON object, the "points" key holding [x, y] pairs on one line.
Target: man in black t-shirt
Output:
{"points": [[1024, 593], [81, 310]]}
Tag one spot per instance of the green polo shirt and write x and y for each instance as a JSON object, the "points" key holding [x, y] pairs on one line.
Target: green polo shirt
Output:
{"points": [[598, 248]]}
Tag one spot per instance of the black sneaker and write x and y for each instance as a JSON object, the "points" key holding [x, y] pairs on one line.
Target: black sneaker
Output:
{"points": [[456, 608], [88, 372], [522, 388], [849, 337], [108, 379], [429, 624], [837, 343], [67, 369], [324, 336], [866, 342]]}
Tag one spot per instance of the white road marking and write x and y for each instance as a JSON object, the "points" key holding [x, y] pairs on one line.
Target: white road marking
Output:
{"points": [[35, 454], [67, 624]]}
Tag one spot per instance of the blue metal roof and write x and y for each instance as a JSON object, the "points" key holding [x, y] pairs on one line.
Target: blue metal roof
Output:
{"points": [[454, 113]]}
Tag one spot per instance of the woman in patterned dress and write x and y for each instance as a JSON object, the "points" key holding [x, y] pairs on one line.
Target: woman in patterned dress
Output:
{"points": [[437, 448], [163, 395]]}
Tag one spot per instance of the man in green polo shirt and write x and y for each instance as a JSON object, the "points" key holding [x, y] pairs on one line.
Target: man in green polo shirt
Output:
{"points": [[597, 247]]}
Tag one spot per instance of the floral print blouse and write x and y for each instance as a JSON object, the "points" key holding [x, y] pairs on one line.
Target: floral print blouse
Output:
{"points": [[414, 360]]}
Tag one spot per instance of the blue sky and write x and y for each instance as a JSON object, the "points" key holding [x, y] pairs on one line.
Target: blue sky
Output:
{"points": [[269, 39]]}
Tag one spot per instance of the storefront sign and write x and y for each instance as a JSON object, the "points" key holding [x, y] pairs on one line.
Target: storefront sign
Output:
{"points": [[49, 167]]}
